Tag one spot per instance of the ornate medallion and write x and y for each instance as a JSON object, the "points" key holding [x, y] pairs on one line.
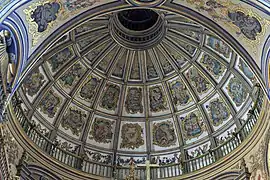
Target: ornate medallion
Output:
{"points": [[33, 82], [134, 100], [192, 125], [249, 26], [131, 135], [219, 46], [50, 103], [74, 120], [157, 99], [88, 90], [59, 59], [237, 90], [179, 93], [110, 98], [163, 134], [212, 65], [198, 82], [246, 70], [219, 112], [73, 74], [101, 130]]}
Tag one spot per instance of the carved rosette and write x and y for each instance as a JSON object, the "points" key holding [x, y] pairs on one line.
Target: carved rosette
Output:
{"points": [[101, 130], [163, 134], [131, 135]]}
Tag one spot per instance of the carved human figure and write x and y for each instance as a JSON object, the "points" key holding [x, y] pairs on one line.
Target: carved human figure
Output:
{"points": [[134, 100], [110, 98], [157, 100]]}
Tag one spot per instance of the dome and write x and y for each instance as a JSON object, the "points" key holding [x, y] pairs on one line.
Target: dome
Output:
{"points": [[111, 94]]}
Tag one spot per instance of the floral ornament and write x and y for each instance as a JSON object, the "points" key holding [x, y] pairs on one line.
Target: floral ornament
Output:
{"points": [[74, 5], [74, 120], [213, 66], [73, 74], [179, 93], [198, 82], [131, 135], [192, 125], [237, 91], [219, 112], [50, 103], [246, 70], [101, 130], [33, 82], [163, 134], [60, 58], [98, 157], [157, 99], [88, 90], [110, 98], [134, 100], [44, 14], [249, 26]]}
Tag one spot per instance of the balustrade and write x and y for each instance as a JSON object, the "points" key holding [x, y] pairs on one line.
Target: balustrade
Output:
{"points": [[119, 172]]}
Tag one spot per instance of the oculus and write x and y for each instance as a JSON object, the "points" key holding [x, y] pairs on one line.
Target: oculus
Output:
{"points": [[237, 90], [157, 99], [33, 82], [74, 120], [219, 112], [163, 134], [50, 103], [101, 130], [110, 98], [134, 100], [131, 135], [192, 125]]}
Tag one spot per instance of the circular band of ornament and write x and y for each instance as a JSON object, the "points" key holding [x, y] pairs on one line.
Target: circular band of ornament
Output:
{"points": [[146, 3]]}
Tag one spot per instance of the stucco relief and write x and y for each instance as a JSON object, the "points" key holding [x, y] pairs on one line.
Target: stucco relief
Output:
{"points": [[131, 135], [164, 134], [102, 130], [33, 82]]}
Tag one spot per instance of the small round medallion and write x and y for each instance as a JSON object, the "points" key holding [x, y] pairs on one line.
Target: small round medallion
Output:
{"points": [[146, 3]]}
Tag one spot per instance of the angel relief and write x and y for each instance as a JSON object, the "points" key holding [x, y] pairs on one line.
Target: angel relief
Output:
{"points": [[192, 125]]}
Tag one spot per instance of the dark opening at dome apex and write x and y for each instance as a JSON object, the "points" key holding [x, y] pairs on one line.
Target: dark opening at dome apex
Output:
{"points": [[138, 19]]}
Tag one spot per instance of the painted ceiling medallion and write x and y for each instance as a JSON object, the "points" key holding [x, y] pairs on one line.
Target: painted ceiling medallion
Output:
{"points": [[131, 135], [219, 112], [146, 3], [193, 125], [134, 100], [50, 103], [180, 93], [163, 134], [101, 130], [74, 120], [157, 99], [237, 90], [33, 82], [110, 98]]}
